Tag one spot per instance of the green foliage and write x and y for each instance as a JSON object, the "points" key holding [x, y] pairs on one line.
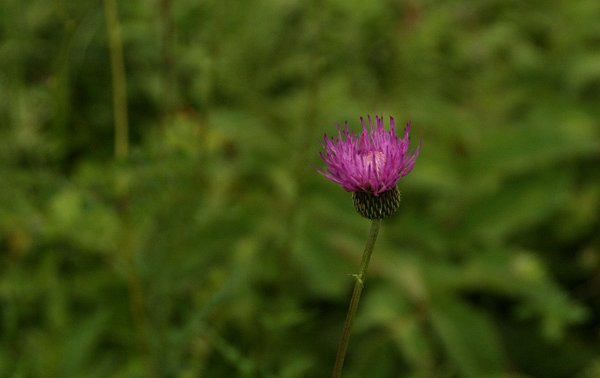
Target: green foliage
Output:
{"points": [[215, 248]]}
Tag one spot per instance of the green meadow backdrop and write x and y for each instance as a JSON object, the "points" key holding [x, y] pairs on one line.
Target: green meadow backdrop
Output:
{"points": [[161, 214]]}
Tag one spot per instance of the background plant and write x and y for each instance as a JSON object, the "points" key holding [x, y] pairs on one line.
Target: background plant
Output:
{"points": [[215, 249]]}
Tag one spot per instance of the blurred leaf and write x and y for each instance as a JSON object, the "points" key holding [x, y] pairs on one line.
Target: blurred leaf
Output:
{"points": [[469, 338]]}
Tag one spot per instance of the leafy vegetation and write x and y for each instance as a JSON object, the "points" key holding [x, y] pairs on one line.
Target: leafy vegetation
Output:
{"points": [[213, 247]]}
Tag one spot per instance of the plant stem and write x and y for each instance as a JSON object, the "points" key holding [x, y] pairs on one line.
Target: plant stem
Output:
{"points": [[117, 65], [358, 287], [121, 145]]}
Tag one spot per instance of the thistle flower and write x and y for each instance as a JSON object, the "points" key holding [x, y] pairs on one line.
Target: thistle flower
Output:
{"points": [[370, 165]]}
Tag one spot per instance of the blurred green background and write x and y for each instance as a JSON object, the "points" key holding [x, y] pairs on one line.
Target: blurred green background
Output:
{"points": [[191, 236]]}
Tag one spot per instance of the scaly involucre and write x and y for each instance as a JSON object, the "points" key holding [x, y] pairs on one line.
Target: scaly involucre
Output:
{"points": [[371, 162]]}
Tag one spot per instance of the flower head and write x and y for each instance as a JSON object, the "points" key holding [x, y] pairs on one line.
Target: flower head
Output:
{"points": [[372, 162]]}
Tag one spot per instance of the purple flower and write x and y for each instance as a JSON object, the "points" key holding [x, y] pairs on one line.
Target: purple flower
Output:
{"points": [[371, 162]]}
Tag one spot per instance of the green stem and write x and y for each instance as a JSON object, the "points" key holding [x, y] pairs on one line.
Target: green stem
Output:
{"points": [[121, 146], [358, 287], [117, 65]]}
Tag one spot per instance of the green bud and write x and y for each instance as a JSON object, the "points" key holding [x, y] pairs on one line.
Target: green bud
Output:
{"points": [[373, 207]]}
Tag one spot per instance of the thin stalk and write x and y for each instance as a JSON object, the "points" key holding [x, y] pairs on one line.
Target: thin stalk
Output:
{"points": [[358, 287], [117, 65], [121, 149], [168, 60]]}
